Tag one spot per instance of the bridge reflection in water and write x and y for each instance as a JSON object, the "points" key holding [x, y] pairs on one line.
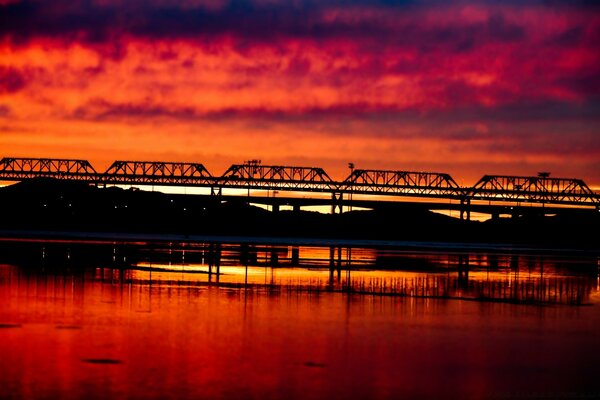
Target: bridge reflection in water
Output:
{"points": [[503, 276]]}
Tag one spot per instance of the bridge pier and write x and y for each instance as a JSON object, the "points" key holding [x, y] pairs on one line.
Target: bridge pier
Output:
{"points": [[335, 264], [247, 254], [214, 261], [275, 208], [463, 271], [295, 255], [337, 200], [296, 207], [274, 257], [216, 191], [465, 209]]}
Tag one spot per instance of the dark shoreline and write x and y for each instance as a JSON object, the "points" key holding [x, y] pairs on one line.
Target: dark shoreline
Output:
{"points": [[50, 209], [121, 237]]}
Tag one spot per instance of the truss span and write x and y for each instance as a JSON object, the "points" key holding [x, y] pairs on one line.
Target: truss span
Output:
{"points": [[17, 169], [277, 177], [406, 183], [252, 175], [157, 173], [540, 189]]}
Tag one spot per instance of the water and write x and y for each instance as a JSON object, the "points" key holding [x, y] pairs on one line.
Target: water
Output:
{"points": [[133, 320]]}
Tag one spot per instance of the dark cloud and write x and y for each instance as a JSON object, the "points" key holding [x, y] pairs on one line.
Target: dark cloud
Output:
{"points": [[11, 80], [586, 82], [4, 110], [523, 112], [578, 145], [245, 21], [570, 37], [102, 110]]}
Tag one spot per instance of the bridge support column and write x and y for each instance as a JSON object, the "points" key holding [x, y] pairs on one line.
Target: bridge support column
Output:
{"points": [[216, 191], [465, 209], [275, 208], [337, 200], [463, 271], [295, 255], [214, 261], [296, 207], [274, 257]]}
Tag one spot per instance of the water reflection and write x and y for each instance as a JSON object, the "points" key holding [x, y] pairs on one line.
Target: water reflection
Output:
{"points": [[525, 278], [138, 320]]}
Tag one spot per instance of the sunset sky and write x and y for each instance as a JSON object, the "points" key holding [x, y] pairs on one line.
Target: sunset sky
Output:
{"points": [[465, 87]]}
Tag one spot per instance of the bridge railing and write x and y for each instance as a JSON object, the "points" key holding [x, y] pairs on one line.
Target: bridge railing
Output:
{"points": [[407, 183], [533, 189]]}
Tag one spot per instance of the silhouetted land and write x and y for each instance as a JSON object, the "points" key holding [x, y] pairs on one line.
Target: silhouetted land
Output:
{"points": [[67, 206]]}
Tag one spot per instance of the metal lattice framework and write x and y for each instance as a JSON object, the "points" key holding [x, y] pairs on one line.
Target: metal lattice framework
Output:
{"points": [[422, 184], [534, 190], [252, 175], [157, 173], [16, 169], [276, 177]]}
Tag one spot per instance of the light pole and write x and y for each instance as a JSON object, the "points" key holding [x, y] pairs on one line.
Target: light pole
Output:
{"points": [[252, 170], [351, 166], [544, 176], [275, 193]]}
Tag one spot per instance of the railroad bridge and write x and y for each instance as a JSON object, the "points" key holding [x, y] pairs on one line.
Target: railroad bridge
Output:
{"points": [[304, 186]]}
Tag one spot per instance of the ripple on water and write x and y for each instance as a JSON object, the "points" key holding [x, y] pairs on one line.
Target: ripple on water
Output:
{"points": [[7, 326], [313, 364], [101, 361]]}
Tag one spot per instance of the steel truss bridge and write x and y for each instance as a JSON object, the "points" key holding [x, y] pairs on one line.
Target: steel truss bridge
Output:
{"points": [[370, 186]]}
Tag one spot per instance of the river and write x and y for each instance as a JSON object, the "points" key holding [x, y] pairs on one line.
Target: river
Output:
{"points": [[267, 321]]}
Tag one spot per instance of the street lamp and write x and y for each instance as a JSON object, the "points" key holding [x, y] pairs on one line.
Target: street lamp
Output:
{"points": [[253, 170], [351, 166], [544, 175]]}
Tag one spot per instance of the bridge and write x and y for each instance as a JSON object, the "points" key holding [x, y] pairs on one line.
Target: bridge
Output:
{"points": [[492, 194]]}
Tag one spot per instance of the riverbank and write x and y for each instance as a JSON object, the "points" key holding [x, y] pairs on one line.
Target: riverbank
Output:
{"points": [[55, 209]]}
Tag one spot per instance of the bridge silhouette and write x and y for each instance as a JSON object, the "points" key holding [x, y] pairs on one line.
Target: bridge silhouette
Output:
{"points": [[492, 194]]}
